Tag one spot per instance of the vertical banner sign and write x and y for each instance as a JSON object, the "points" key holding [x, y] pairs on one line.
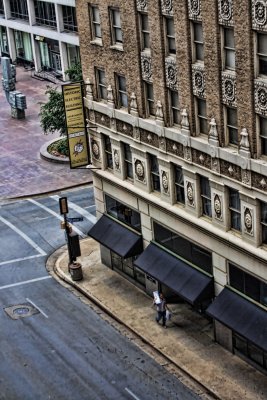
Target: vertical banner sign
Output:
{"points": [[75, 122]]}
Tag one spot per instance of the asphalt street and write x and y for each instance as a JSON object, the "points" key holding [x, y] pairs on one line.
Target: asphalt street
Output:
{"points": [[53, 346]]}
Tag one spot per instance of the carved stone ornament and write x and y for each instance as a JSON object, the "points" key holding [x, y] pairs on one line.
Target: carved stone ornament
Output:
{"points": [[171, 73], [95, 149], [133, 104], [246, 177], [116, 159], [215, 165], [259, 15], [165, 182], [141, 5], [187, 153], [198, 79], [225, 12], [229, 89], [194, 9], [248, 220], [166, 7], [260, 94], [217, 204], [146, 67], [190, 194], [139, 169]]}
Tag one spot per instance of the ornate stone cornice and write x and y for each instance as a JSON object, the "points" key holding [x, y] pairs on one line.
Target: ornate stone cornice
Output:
{"points": [[194, 9], [260, 96], [225, 8], [259, 15], [146, 66], [198, 79], [166, 7], [229, 88], [171, 73], [141, 5]]}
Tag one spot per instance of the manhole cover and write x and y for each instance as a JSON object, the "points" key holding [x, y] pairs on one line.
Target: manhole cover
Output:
{"points": [[21, 311]]}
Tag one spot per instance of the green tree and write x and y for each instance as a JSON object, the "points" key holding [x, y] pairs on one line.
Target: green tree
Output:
{"points": [[52, 113], [75, 72]]}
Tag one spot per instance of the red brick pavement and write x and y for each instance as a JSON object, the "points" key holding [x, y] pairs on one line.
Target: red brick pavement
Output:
{"points": [[22, 171]]}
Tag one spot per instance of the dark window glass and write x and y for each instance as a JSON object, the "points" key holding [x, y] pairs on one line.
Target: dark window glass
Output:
{"points": [[264, 221], [229, 48], [205, 196], [122, 92], [123, 213], [234, 207], [116, 26], [183, 248], [128, 161], [262, 53], [170, 35], [236, 278], [175, 108], [249, 350], [198, 42], [101, 84], [108, 151], [69, 19], [202, 116], [45, 13], [179, 184], [154, 169], [2, 10], [149, 98], [95, 22], [145, 39], [19, 9], [263, 135], [232, 125]]}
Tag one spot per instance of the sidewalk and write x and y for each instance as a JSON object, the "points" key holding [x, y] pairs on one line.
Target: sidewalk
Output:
{"points": [[187, 341]]}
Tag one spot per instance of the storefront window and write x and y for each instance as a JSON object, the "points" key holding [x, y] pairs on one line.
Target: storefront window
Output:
{"points": [[73, 53], [249, 350], [183, 247], [123, 213], [248, 284], [3, 42], [23, 45]]}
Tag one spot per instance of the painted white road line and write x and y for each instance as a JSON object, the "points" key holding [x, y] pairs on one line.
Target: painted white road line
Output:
{"points": [[56, 215], [38, 308], [78, 209], [132, 394], [20, 259], [25, 282], [24, 236]]}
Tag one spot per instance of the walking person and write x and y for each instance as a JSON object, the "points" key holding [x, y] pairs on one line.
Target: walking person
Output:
{"points": [[161, 310]]}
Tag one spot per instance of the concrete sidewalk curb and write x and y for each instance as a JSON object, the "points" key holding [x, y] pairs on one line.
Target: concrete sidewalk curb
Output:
{"points": [[52, 265]]}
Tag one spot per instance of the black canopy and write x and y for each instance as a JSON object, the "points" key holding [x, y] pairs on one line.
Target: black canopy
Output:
{"points": [[186, 281], [116, 237], [241, 315]]}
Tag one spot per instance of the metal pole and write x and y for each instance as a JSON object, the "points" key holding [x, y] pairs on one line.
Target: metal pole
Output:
{"points": [[68, 240]]}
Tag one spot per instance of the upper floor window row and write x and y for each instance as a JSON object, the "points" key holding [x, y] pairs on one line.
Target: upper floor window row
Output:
{"points": [[18, 9], [115, 25], [45, 13]]}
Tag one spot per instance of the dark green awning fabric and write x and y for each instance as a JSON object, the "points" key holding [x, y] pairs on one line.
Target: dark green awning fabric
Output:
{"points": [[240, 315], [187, 282], [116, 237]]}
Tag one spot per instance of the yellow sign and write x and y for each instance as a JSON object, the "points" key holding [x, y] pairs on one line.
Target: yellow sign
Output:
{"points": [[75, 121]]}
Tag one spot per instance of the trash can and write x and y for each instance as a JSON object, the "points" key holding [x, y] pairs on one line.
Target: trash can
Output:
{"points": [[76, 271]]}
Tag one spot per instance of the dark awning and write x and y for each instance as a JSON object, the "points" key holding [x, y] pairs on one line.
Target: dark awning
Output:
{"points": [[116, 237], [240, 315], [187, 282]]}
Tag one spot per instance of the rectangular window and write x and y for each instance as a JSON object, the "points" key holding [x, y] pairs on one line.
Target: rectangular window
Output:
{"points": [[69, 19], [121, 91], [45, 13], [115, 20], [202, 116], [244, 346], [229, 48], [145, 34], [95, 22], [205, 196], [2, 10], [232, 130], [234, 207], [170, 35], [128, 161], [149, 93], [198, 42], [108, 151], [262, 53], [183, 247], [179, 184], [174, 107], [101, 84], [264, 222], [123, 213], [263, 134], [248, 284], [19, 9], [154, 173]]}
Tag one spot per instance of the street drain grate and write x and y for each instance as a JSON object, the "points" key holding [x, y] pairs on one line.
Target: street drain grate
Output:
{"points": [[21, 311]]}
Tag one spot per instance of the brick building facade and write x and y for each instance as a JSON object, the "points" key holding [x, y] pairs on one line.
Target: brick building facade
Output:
{"points": [[176, 99]]}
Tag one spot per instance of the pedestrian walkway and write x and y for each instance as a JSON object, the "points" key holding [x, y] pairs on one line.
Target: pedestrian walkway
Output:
{"points": [[22, 171], [188, 340]]}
